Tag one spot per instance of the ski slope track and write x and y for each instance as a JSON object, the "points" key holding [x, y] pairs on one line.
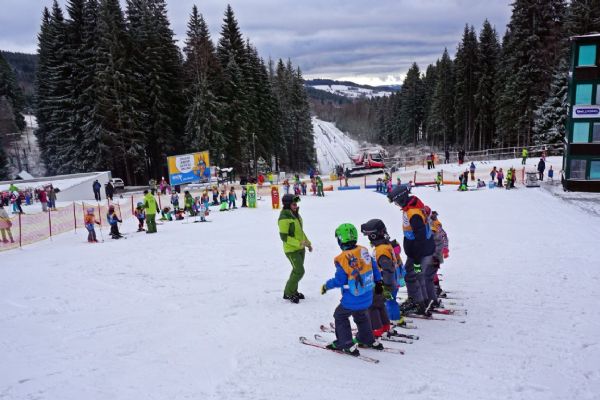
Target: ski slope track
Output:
{"points": [[196, 310], [333, 146]]}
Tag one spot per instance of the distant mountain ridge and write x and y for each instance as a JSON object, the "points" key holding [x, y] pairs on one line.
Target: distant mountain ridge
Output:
{"points": [[329, 82]]}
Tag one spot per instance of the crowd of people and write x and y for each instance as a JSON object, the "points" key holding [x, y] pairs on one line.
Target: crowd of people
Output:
{"points": [[17, 198]]}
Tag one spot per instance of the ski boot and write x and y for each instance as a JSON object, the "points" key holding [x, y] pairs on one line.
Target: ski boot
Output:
{"points": [[353, 350], [376, 345], [294, 298], [408, 307], [425, 308]]}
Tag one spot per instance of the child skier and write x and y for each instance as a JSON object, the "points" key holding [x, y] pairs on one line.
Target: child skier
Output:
{"points": [[472, 170], [384, 305], [438, 180], [320, 187], [244, 196], [356, 276], [232, 198], [5, 225], [113, 221], [89, 221], [441, 251], [175, 200], [165, 214], [140, 214], [188, 202]]}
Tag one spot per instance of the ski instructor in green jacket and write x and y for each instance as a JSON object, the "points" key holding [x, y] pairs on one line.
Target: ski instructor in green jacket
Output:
{"points": [[294, 243]]}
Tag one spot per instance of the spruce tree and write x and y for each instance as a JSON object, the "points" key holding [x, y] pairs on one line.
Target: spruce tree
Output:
{"points": [[466, 75], [583, 16], [441, 116], [489, 51], [429, 84], [42, 84], [551, 116], [231, 53], [202, 76], [411, 112]]}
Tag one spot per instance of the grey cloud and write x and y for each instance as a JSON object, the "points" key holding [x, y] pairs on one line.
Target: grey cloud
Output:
{"points": [[335, 38]]}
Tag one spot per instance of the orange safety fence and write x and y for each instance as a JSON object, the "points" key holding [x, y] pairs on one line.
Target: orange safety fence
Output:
{"points": [[30, 228]]}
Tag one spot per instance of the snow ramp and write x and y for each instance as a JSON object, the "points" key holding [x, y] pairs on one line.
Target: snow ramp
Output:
{"points": [[333, 146]]}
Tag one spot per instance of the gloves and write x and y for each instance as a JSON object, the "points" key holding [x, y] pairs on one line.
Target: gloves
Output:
{"points": [[396, 246], [323, 289], [378, 287], [417, 268], [445, 252], [387, 294]]}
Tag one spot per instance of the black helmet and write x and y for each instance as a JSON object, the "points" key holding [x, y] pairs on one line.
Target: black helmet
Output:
{"points": [[288, 199], [374, 229], [399, 195]]}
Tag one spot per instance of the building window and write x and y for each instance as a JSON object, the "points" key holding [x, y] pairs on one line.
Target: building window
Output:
{"points": [[587, 55], [581, 132], [578, 169], [595, 169], [583, 93], [596, 133]]}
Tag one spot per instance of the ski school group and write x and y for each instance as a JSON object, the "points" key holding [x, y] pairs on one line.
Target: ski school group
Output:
{"points": [[369, 283], [147, 210]]}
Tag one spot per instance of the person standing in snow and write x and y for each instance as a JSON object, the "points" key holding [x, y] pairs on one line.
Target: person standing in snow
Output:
{"points": [[294, 244], [390, 266], [320, 187], [109, 191], [541, 167], [500, 177], [89, 221], [5, 225], [113, 220], [493, 173], [524, 155], [438, 180], [441, 251], [419, 247], [51, 198], [232, 198], [472, 170], [151, 207], [140, 215], [357, 277], [96, 188]]}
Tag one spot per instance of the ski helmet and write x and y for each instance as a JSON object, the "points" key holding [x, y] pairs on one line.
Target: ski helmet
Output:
{"points": [[399, 195], [90, 211], [288, 199], [374, 229], [140, 204], [346, 234], [111, 208]]}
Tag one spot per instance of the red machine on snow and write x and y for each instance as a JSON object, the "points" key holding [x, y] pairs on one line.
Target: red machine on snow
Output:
{"points": [[367, 162]]}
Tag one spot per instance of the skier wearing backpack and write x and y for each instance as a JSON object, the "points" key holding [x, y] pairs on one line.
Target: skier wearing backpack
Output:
{"points": [[357, 277]]}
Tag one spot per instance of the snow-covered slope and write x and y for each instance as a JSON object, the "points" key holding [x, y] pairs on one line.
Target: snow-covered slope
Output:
{"points": [[353, 92], [195, 311], [332, 145]]}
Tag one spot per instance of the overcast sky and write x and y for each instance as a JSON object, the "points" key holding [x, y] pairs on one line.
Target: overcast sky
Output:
{"points": [[371, 42]]}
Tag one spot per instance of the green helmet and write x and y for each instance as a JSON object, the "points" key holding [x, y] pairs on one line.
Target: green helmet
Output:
{"points": [[346, 233]]}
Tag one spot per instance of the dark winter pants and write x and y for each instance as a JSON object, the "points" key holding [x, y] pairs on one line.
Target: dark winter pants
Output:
{"points": [[151, 223], [114, 231], [140, 224], [343, 330], [97, 195], [414, 282], [297, 260], [91, 234], [428, 270], [378, 313]]}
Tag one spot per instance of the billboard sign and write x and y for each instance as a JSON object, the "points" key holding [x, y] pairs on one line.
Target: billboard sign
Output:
{"points": [[188, 168]]}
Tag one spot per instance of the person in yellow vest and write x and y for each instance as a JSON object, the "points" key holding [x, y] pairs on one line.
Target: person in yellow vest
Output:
{"points": [[441, 250], [385, 307], [524, 155], [357, 276], [419, 247], [294, 244]]}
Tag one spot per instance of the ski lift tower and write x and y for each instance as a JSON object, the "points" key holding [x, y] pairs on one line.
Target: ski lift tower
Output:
{"points": [[581, 161]]}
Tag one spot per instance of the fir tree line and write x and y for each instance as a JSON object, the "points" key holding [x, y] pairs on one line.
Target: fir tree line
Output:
{"points": [[114, 92], [491, 94], [12, 104]]}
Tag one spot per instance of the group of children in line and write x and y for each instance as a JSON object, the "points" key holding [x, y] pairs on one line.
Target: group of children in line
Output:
{"points": [[301, 187], [369, 282]]}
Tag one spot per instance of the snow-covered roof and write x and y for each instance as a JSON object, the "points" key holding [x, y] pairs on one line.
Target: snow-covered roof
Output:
{"points": [[62, 182]]}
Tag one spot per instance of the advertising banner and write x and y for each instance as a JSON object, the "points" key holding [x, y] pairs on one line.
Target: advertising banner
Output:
{"points": [[188, 168], [580, 111]]}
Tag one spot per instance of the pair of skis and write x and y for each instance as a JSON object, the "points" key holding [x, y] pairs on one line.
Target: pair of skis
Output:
{"points": [[321, 343]]}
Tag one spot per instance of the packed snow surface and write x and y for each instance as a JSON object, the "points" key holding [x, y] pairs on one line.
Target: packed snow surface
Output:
{"points": [[333, 146], [195, 311]]}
